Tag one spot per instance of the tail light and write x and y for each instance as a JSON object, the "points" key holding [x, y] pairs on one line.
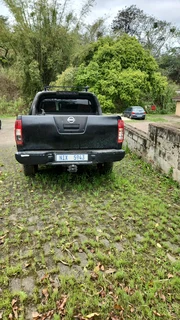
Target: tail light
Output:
{"points": [[120, 131], [18, 132], [133, 112]]}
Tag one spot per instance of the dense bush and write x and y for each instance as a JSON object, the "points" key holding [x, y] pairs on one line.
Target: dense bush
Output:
{"points": [[12, 107], [121, 73]]}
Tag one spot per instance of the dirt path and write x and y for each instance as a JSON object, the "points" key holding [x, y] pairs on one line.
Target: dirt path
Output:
{"points": [[7, 132]]}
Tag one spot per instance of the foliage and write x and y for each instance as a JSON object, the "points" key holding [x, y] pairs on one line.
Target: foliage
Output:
{"points": [[44, 38], [66, 78], [8, 88], [12, 107], [6, 52], [155, 35], [170, 64], [121, 72]]}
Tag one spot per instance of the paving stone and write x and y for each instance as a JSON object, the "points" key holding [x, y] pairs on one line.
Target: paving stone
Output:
{"points": [[47, 248], [31, 228], [82, 237], [15, 285], [105, 243], [58, 253], [41, 273], [119, 246], [171, 258], [23, 253], [33, 219], [139, 238], [76, 271], [20, 211], [40, 225], [13, 217], [83, 257], [50, 264], [172, 247], [28, 284], [64, 270], [29, 312]]}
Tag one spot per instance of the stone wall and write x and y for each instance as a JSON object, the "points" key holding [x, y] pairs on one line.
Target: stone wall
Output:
{"points": [[160, 146]]}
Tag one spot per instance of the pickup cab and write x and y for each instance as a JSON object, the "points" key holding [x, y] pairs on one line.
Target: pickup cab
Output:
{"points": [[67, 128]]}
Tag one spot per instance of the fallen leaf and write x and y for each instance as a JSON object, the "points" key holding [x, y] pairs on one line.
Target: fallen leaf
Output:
{"points": [[36, 315], [45, 293], [132, 309], [15, 311], [27, 265], [159, 245], [13, 302], [61, 303], [97, 268], [118, 307], [94, 276], [102, 268], [157, 313], [46, 276], [162, 297], [92, 315], [170, 276], [110, 271]]}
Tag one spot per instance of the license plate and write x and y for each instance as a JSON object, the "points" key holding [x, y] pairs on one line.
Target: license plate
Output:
{"points": [[71, 157]]}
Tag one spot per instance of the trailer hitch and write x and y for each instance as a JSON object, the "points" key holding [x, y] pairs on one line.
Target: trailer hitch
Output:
{"points": [[72, 168]]}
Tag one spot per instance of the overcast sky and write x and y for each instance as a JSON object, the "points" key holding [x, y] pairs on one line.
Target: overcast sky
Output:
{"points": [[168, 10]]}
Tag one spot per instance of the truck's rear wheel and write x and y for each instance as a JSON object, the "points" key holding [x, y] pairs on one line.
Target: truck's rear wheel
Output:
{"points": [[30, 170], [105, 167]]}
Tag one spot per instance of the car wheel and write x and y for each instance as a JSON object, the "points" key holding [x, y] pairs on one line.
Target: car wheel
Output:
{"points": [[30, 170], [105, 167]]}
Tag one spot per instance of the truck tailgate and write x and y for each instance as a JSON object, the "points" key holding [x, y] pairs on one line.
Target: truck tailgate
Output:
{"points": [[64, 132]]}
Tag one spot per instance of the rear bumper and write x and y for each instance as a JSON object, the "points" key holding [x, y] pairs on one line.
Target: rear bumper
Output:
{"points": [[138, 117], [49, 157]]}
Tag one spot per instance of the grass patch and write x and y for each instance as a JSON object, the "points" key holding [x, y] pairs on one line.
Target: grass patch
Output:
{"points": [[85, 246], [156, 118]]}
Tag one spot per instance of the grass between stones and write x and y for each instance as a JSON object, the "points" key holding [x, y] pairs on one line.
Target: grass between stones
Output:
{"points": [[85, 246]]}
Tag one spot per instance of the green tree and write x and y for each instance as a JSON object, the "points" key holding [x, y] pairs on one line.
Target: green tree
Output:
{"points": [[121, 73], [155, 35], [6, 52], [44, 38], [170, 64]]}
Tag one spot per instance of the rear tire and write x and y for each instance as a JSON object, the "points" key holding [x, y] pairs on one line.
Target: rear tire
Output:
{"points": [[105, 167], [30, 170]]}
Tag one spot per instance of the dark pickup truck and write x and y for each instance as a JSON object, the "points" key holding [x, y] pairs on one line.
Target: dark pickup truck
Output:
{"points": [[67, 128]]}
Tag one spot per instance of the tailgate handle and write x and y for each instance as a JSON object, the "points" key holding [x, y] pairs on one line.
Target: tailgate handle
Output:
{"points": [[71, 126]]}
